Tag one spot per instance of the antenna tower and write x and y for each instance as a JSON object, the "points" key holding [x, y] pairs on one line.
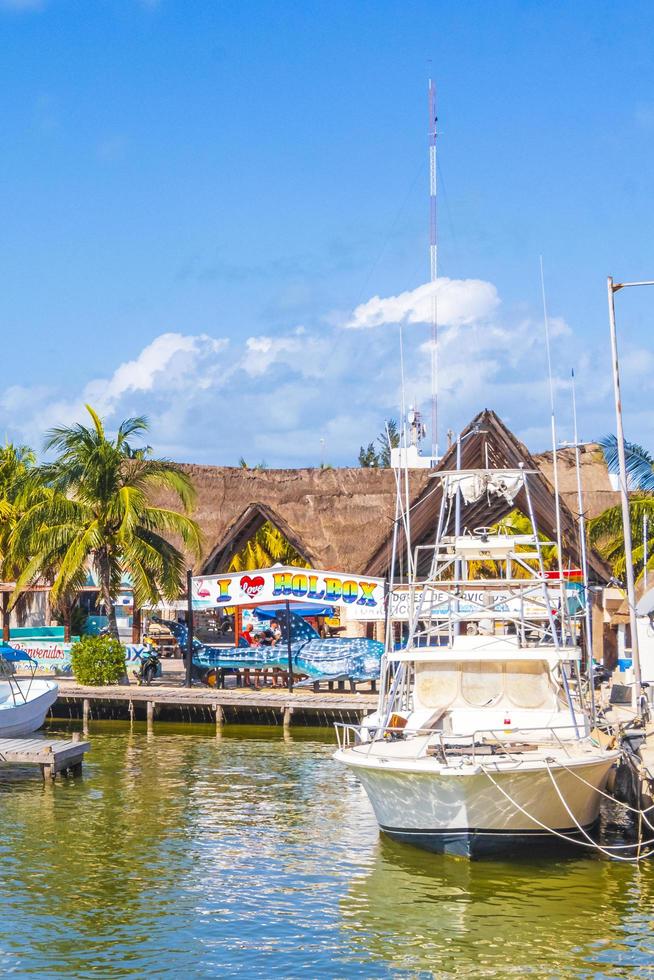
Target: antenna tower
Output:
{"points": [[433, 262]]}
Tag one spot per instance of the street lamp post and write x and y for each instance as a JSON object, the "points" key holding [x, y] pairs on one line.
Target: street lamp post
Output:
{"points": [[613, 288]]}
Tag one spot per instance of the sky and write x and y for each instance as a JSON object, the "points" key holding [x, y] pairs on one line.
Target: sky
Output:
{"points": [[216, 213]]}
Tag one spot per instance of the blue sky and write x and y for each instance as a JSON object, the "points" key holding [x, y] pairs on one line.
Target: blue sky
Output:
{"points": [[196, 197]]}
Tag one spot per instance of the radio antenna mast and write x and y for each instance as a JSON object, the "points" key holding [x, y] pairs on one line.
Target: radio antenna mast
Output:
{"points": [[433, 263]]}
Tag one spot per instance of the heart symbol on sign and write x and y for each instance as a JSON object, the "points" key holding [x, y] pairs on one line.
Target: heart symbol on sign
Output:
{"points": [[252, 586]]}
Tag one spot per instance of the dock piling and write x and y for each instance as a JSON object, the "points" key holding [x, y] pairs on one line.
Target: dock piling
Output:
{"points": [[206, 704]]}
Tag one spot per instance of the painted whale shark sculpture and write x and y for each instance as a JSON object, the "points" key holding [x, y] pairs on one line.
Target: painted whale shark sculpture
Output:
{"points": [[356, 658]]}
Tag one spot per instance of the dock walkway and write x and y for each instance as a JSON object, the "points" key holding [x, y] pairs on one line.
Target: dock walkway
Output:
{"points": [[268, 706], [51, 754]]}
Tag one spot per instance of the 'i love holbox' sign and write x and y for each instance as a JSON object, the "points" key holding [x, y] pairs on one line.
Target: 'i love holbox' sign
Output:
{"points": [[281, 584]]}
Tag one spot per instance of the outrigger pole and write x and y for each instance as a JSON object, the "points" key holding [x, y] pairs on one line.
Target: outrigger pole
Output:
{"points": [[584, 557]]}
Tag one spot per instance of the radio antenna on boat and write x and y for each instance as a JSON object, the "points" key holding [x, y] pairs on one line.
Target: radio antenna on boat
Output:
{"points": [[555, 467], [433, 264], [584, 556]]}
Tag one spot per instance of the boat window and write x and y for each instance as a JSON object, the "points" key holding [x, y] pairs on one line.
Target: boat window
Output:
{"points": [[526, 683], [481, 682], [436, 684]]}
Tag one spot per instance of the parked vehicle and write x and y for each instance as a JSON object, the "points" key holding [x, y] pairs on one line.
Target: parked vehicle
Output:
{"points": [[149, 664]]}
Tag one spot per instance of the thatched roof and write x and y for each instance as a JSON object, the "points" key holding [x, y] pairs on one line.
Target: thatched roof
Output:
{"points": [[335, 518], [487, 442], [343, 518], [598, 494]]}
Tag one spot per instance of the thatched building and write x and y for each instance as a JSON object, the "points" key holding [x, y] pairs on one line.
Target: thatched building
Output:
{"points": [[343, 518], [334, 518]]}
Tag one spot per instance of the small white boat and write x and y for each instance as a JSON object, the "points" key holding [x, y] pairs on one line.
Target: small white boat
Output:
{"points": [[480, 744], [24, 702], [24, 705]]}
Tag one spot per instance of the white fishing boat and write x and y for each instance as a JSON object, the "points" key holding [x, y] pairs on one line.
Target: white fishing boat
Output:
{"points": [[24, 702], [481, 743]]}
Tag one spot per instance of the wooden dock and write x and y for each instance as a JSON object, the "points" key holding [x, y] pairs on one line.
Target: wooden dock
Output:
{"points": [[53, 755], [266, 706]]}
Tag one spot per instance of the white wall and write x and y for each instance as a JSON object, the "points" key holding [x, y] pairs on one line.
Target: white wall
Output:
{"points": [[646, 648]]}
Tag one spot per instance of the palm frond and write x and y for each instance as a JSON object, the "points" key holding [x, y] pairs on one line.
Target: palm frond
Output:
{"points": [[639, 462]]}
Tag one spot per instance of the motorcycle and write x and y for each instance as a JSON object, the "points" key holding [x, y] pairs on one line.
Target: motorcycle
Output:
{"points": [[148, 666]]}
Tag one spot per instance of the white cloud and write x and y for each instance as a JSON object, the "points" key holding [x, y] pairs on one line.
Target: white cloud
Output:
{"points": [[300, 351], [275, 395], [164, 372], [169, 354], [459, 301]]}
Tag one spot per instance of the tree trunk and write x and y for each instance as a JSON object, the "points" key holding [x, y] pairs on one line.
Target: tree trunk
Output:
{"points": [[66, 614], [136, 625], [104, 584], [111, 616], [5, 617]]}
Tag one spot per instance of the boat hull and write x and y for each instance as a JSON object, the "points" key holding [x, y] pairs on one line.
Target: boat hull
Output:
{"points": [[476, 811], [17, 719], [485, 843]]}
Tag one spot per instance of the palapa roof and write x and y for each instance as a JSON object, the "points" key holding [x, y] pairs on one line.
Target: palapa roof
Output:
{"points": [[598, 493], [487, 443], [335, 518], [342, 519]]}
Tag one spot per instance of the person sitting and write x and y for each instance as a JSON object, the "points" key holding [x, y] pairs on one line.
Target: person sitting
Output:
{"points": [[248, 635], [276, 631]]}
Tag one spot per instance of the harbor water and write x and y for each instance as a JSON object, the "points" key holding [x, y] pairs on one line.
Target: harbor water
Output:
{"points": [[183, 854]]}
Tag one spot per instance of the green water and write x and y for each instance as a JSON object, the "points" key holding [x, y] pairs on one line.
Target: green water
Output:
{"points": [[182, 855]]}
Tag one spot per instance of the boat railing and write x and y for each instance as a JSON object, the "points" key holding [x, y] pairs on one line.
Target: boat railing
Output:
{"points": [[475, 744]]}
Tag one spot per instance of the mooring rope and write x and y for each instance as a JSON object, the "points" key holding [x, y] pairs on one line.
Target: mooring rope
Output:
{"points": [[634, 809], [638, 845], [574, 840]]}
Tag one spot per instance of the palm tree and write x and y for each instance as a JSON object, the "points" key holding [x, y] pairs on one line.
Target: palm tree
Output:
{"points": [[640, 463], [606, 532], [17, 493], [98, 515], [16, 464], [266, 547], [606, 535]]}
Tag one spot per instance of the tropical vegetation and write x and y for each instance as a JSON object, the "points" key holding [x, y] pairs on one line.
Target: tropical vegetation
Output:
{"points": [[266, 547], [98, 660], [516, 523], [17, 492], [606, 532], [380, 456], [92, 510]]}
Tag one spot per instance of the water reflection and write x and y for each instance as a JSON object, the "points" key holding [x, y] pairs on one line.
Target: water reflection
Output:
{"points": [[183, 854], [452, 917]]}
